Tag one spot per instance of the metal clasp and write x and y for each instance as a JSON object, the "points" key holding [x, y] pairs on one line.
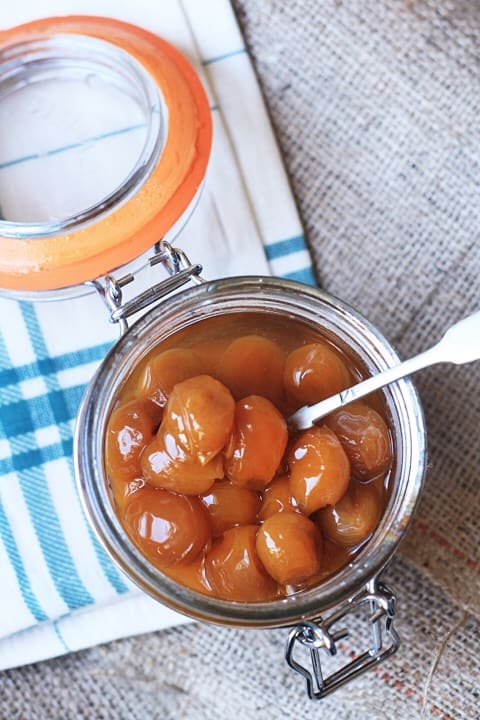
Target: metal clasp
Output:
{"points": [[319, 634], [179, 268]]}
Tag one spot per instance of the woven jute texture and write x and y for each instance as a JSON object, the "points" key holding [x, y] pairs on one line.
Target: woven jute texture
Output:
{"points": [[376, 107]]}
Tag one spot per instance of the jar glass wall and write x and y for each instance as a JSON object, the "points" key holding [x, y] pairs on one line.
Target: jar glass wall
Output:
{"points": [[349, 331]]}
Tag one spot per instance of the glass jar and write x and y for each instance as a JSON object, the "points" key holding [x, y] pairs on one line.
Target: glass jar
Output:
{"points": [[356, 584], [100, 239]]}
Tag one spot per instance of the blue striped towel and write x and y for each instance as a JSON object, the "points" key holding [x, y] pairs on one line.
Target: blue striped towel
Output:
{"points": [[60, 592]]}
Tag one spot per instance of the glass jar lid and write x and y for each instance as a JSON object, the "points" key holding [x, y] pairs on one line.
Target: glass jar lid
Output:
{"points": [[105, 135]]}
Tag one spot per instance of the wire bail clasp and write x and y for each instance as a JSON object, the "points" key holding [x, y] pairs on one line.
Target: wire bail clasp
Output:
{"points": [[319, 635], [173, 260]]}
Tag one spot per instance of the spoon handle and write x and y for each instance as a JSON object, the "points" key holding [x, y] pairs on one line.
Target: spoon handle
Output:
{"points": [[460, 344], [308, 415]]}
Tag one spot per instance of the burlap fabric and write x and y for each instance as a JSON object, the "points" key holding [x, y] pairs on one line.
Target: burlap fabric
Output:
{"points": [[377, 110]]}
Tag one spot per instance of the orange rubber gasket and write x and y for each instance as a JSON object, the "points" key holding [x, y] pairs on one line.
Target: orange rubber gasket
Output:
{"points": [[125, 233]]}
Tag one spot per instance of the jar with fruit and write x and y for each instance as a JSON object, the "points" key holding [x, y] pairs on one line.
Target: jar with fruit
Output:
{"points": [[213, 504]]}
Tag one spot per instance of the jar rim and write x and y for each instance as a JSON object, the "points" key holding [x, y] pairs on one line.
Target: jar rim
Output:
{"points": [[162, 186], [63, 56], [245, 294]]}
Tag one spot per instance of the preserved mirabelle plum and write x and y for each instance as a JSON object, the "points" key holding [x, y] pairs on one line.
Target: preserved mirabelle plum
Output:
{"points": [[258, 442], [364, 437], [210, 354], [165, 464], [253, 365], [289, 547], [354, 518], [277, 497], [230, 505], [233, 569], [129, 430], [319, 469], [199, 415], [168, 528], [192, 575], [164, 371], [197, 422], [314, 372], [124, 491], [334, 557]]}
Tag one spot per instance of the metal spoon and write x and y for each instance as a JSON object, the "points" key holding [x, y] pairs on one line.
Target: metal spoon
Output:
{"points": [[459, 345]]}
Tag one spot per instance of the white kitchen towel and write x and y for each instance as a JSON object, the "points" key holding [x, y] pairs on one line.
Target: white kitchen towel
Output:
{"points": [[59, 590]]}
